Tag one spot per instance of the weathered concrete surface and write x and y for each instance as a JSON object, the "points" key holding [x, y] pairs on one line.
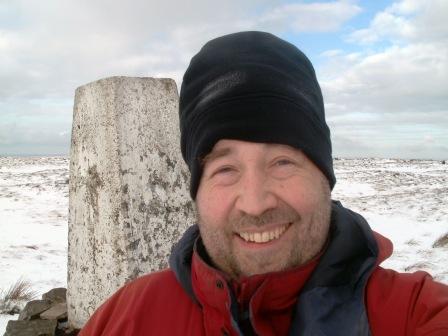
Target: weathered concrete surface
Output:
{"points": [[128, 187]]}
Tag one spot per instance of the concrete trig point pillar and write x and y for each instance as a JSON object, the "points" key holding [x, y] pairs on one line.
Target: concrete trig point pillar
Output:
{"points": [[129, 200]]}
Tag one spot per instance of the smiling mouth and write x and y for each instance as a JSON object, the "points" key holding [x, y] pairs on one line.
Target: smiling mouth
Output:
{"points": [[264, 236]]}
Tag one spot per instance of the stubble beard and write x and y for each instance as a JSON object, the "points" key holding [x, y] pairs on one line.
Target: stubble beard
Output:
{"points": [[310, 235]]}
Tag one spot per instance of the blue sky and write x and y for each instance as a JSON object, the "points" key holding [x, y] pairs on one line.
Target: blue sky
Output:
{"points": [[382, 65]]}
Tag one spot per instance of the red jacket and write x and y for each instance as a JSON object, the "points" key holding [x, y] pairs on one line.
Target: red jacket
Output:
{"points": [[199, 300]]}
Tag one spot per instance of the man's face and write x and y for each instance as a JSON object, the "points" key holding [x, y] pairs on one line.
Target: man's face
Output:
{"points": [[262, 207]]}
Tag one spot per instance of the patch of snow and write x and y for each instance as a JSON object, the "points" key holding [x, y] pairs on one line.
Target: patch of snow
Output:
{"points": [[354, 189], [4, 318], [404, 200], [33, 213]]}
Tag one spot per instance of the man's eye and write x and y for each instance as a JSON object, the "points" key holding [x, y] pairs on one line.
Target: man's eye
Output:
{"points": [[283, 162], [223, 170], [283, 168], [225, 175]]}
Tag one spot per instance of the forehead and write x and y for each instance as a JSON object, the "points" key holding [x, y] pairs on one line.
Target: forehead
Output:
{"points": [[226, 147]]}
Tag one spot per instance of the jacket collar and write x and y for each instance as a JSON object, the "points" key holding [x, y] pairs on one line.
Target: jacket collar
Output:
{"points": [[267, 292], [332, 301]]}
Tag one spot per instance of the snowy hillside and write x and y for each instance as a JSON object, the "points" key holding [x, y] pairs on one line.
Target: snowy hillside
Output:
{"points": [[407, 201], [33, 223]]}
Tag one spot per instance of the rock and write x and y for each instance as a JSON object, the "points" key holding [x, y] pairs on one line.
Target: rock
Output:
{"points": [[33, 309], [57, 312], [43, 317], [66, 331], [55, 295], [13, 310], [31, 328]]}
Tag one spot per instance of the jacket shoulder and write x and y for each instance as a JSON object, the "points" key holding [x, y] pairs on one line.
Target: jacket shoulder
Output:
{"points": [[161, 280], [149, 290], [406, 303], [143, 306]]}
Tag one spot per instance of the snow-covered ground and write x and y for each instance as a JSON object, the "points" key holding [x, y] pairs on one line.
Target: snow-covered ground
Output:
{"points": [[33, 223], [404, 200], [407, 201]]}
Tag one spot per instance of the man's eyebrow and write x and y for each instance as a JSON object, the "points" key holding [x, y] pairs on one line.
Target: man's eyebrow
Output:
{"points": [[215, 155]]}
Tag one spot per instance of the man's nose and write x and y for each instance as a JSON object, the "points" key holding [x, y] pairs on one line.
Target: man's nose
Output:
{"points": [[255, 194]]}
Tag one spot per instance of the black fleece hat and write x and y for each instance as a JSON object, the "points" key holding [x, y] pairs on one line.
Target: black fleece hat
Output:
{"points": [[252, 86]]}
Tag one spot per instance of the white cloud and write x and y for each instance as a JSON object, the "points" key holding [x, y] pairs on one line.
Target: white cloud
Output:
{"points": [[407, 21], [49, 47], [60, 44], [385, 24], [332, 53], [392, 95], [305, 17], [410, 78]]}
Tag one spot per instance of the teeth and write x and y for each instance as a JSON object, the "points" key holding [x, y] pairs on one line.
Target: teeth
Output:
{"points": [[245, 236], [263, 237], [276, 233]]}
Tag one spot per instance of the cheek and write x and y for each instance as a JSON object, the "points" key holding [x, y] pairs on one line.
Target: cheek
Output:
{"points": [[213, 207], [304, 198]]}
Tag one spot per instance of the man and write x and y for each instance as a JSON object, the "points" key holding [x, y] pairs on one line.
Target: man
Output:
{"points": [[272, 254]]}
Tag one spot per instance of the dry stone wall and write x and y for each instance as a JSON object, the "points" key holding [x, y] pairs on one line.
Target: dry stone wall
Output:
{"points": [[129, 200], [45, 317]]}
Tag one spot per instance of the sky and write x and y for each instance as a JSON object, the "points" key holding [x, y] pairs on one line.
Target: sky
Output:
{"points": [[382, 65]]}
